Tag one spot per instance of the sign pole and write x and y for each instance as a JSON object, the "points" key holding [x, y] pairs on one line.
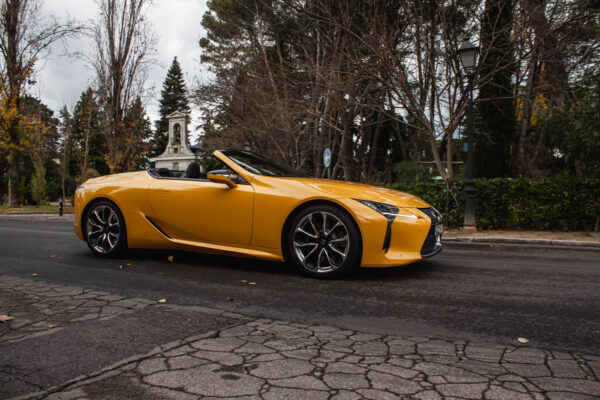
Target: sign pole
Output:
{"points": [[327, 161]]}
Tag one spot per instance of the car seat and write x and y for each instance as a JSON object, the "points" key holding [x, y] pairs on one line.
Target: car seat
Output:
{"points": [[192, 171]]}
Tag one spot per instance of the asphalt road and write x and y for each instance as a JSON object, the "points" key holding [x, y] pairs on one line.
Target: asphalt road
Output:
{"points": [[490, 293]]}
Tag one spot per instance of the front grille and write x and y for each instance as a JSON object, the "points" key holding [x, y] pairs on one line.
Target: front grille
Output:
{"points": [[431, 246], [430, 243]]}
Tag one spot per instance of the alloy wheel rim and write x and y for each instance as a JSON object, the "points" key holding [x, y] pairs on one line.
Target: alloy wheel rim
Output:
{"points": [[321, 242], [103, 229]]}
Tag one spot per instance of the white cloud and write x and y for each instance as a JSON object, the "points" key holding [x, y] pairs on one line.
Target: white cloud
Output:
{"points": [[61, 79]]}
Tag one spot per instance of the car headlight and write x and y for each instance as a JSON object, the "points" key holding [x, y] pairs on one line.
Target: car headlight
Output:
{"points": [[387, 210]]}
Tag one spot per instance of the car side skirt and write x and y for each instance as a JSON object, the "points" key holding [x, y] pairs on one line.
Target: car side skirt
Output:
{"points": [[154, 237]]}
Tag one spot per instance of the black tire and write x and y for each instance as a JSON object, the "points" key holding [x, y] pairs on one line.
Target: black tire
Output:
{"points": [[104, 229], [315, 242]]}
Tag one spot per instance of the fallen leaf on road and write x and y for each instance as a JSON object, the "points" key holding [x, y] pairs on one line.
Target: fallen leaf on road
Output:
{"points": [[522, 340], [230, 298], [51, 326], [251, 283], [162, 300], [170, 258], [4, 317], [123, 266], [34, 275]]}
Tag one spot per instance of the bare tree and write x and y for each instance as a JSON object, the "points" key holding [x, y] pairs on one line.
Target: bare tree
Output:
{"points": [[294, 77], [124, 46], [25, 37]]}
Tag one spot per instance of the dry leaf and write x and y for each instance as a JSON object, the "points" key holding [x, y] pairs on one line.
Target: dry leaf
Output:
{"points": [[522, 340], [162, 300], [251, 283], [51, 326], [34, 274], [4, 317], [230, 298], [170, 258], [123, 266]]}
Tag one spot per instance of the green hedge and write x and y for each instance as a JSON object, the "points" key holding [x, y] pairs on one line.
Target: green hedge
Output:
{"points": [[557, 203]]}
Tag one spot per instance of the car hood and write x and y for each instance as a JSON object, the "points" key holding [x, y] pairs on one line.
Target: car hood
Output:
{"points": [[341, 189]]}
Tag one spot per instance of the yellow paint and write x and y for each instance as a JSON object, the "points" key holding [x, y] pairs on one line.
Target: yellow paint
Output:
{"points": [[248, 220]]}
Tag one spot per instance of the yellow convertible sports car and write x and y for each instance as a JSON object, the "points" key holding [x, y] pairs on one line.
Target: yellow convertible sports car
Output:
{"points": [[251, 206]]}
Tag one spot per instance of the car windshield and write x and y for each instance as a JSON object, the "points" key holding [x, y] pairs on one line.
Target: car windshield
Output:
{"points": [[260, 165]]}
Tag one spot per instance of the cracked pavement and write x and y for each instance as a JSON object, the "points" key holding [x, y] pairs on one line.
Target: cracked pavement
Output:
{"points": [[191, 352]]}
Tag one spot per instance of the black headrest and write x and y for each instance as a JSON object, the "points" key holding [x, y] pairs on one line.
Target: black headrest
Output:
{"points": [[164, 172], [192, 171]]}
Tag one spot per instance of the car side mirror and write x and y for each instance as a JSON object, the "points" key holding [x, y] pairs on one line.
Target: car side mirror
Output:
{"points": [[221, 179]]}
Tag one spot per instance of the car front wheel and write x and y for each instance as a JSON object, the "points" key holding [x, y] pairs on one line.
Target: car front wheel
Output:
{"points": [[324, 242], [105, 229]]}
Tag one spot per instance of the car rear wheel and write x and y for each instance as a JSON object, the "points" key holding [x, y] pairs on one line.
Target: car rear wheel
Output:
{"points": [[324, 242], [105, 229]]}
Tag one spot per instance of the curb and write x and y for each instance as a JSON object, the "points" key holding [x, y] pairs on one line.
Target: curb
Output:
{"points": [[39, 214], [545, 242]]}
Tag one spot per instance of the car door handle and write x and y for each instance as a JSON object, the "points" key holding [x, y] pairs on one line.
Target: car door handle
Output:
{"points": [[161, 191]]}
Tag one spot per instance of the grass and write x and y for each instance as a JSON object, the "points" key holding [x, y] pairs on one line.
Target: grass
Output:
{"points": [[45, 208]]}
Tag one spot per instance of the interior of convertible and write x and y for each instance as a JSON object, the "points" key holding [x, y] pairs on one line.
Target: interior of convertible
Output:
{"points": [[191, 172], [249, 161], [194, 171]]}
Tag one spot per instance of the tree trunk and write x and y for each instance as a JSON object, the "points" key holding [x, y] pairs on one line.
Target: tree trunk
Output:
{"points": [[375, 146], [450, 157], [14, 180], [527, 98], [551, 55], [86, 150], [436, 155]]}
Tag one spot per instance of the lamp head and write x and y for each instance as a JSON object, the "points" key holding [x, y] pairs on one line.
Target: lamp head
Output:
{"points": [[468, 55]]}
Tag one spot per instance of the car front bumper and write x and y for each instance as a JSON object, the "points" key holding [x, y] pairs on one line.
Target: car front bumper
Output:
{"points": [[413, 237]]}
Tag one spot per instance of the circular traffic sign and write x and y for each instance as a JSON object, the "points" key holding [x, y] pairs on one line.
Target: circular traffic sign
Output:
{"points": [[327, 158]]}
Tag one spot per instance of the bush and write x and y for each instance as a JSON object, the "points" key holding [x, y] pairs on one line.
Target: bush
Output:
{"points": [[409, 171], [557, 203], [53, 190], [38, 184]]}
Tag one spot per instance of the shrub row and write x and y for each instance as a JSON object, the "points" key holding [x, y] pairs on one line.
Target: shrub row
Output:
{"points": [[556, 203]]}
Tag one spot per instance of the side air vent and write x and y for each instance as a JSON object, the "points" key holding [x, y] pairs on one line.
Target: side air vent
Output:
{"points": [[158, 228]]}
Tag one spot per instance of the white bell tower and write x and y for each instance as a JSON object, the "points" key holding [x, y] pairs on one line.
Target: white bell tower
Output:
{"points": [[178, 154]]}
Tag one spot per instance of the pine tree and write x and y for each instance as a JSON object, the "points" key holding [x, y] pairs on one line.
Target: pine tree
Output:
{"points": [[497, 127], [90, 146], [138, 130], [174, 97], [65, 149]]}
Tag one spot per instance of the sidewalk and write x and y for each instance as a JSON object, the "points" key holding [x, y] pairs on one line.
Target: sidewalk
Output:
{"points": [[263, 359], [582, 239]]}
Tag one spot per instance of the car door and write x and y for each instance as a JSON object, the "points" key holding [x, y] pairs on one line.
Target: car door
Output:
{"points": [[200, 210]]}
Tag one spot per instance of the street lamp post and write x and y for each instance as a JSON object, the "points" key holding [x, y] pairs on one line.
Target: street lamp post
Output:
{"points": [[468, 57]]}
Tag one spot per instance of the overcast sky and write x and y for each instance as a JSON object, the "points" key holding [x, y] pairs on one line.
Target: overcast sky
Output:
{"points": [[61, 79]]}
